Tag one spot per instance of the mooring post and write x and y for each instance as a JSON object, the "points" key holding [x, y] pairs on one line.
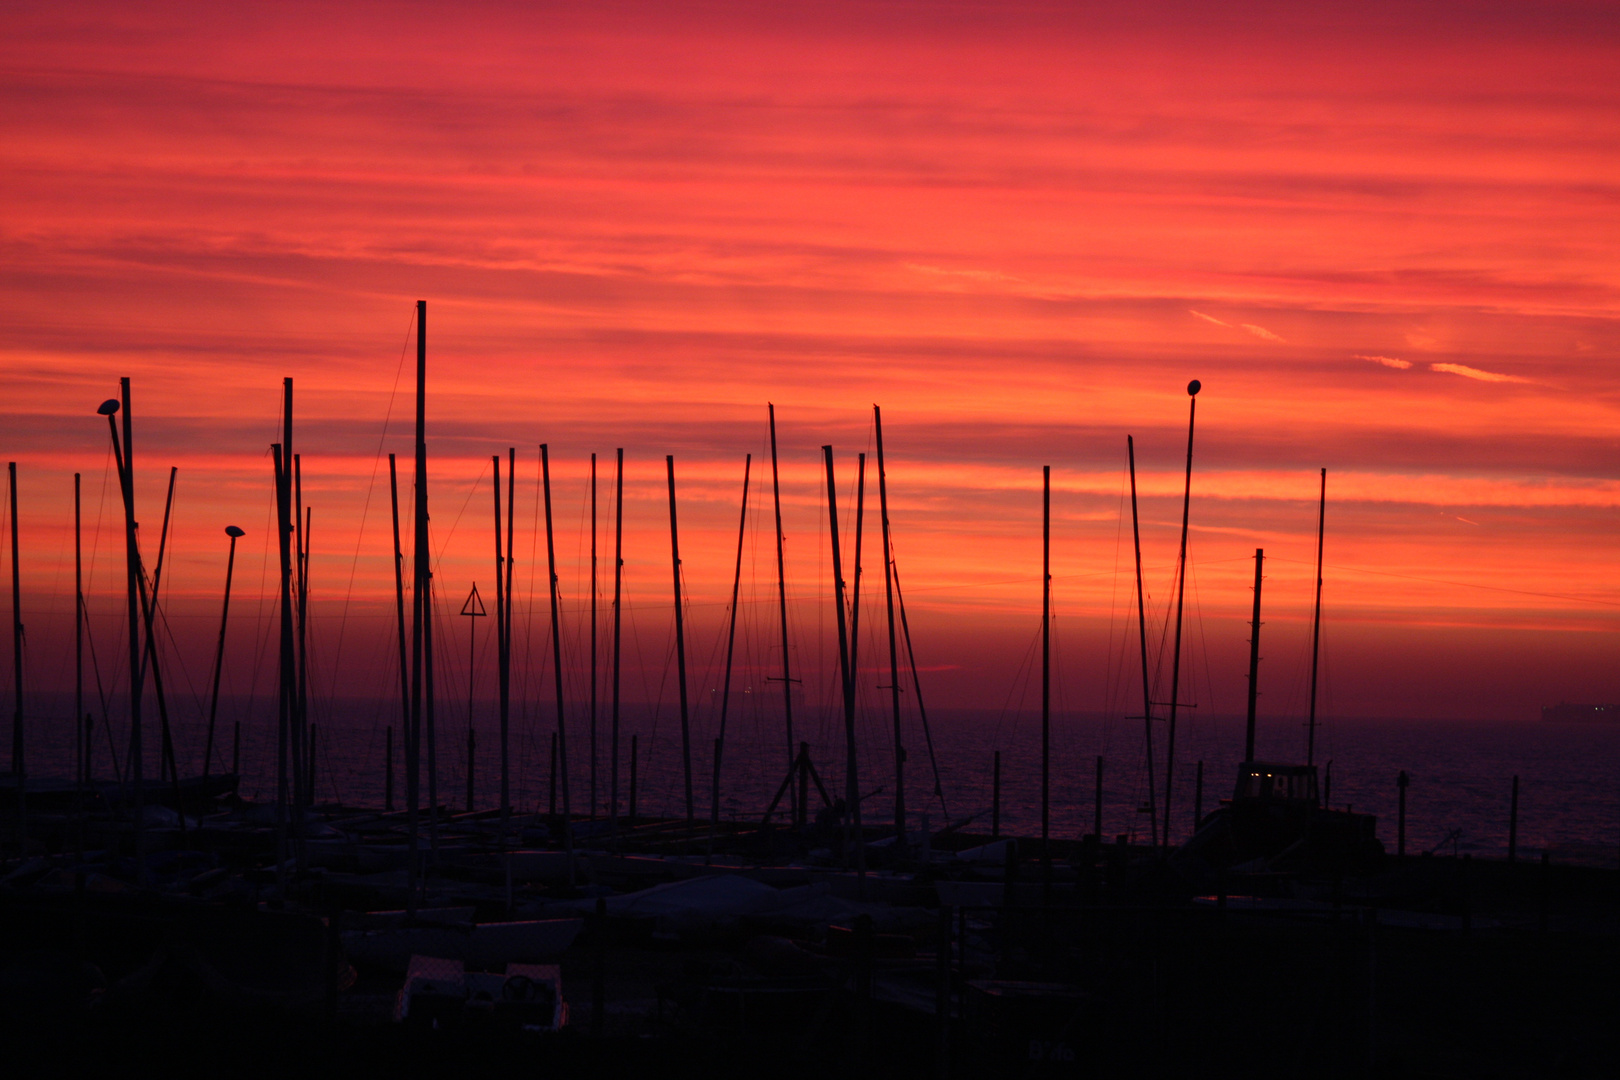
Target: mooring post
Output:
{"points": [[1513, 824], [1400, 816], [1096, 809], [472, 751], [236, 746], [995, 798], [388, 769], [310, 788]]}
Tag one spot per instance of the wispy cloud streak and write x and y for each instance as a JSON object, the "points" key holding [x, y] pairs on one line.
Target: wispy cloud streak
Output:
{"points": [[1475, 373]]}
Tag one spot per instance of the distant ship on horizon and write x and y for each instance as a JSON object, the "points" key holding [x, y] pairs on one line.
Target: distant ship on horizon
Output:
{"points": [[1565, 713]]}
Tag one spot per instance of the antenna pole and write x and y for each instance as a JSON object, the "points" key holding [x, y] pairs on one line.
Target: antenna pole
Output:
{"points": [[1254, 657], [1141, 626], [1316, 622], [680, 638], [1181, 593]]}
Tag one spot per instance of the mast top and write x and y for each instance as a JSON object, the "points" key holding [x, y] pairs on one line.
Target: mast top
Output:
{"points": [[1193, 388]]}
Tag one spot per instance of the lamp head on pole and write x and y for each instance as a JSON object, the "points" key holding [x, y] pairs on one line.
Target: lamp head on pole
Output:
{"points": [[108, 407], [1193, 388], [233, 532]]}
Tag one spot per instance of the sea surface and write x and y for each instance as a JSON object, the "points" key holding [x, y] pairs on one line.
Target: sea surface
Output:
{"points": [[1461, 772]]}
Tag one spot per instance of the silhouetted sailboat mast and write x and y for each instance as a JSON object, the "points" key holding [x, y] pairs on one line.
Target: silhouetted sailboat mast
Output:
{"points": [[731, 644], [556, 653], [680, 638], [17, 759], [1181, 593], [503, 620], [781, 594], [124, 459], [1316, 623], [618, 584], [1046, 679], [420, 635], [1141, 626], [219, 652], [406, 726], [1254, 658], [846, 661], [894, 655]]}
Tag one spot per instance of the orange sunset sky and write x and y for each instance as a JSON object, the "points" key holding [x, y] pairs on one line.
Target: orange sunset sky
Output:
{"points": [[1383, 236]]}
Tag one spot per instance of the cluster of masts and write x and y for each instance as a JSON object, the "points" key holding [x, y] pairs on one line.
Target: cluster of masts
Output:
{"points": [[295, 736]]}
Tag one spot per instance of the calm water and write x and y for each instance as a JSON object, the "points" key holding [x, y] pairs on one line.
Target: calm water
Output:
{"points": [[1461, 772]]}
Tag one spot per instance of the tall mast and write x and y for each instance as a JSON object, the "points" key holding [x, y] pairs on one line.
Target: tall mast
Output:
{"points": [[894, 655], [1046, 672], [781, 593], [852, 795], [618, 582], [501, 631], [166, 763], [406, 698], [419, 594], [404, 666], [1316, 622], [556, 650], [219, 652], [285, 676], [124, 456], [1254, 659], [855, 588], [473, 610], [916, 685], [301, 759], [506, 648], [294, 526], [1141, 626], [80, 736], [593, 637], [1181, 592], [731, 642], [16, 640], [680, 637]]}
